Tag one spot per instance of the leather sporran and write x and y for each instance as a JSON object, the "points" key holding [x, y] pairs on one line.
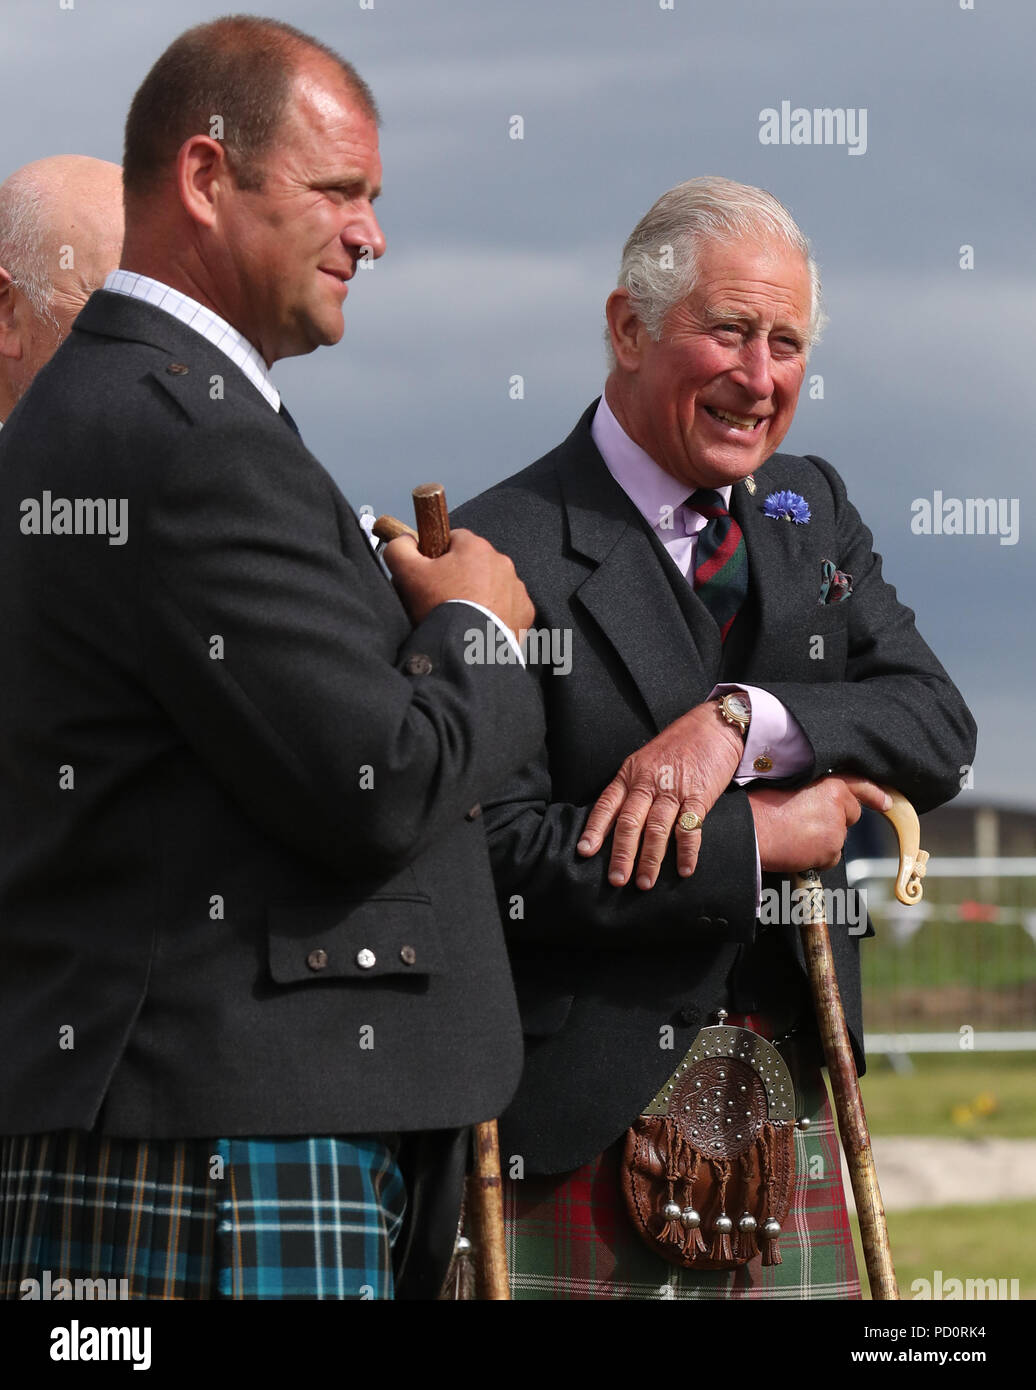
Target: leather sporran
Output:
{"points": [[709, 1167]]}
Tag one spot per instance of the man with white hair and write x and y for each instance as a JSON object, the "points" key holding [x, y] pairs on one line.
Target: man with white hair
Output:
{"points": [[741, 677], [60, 234]]}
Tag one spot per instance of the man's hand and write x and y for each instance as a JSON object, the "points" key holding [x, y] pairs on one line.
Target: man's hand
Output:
{"points": [[471, 569], [685, 768], [806, 828]]}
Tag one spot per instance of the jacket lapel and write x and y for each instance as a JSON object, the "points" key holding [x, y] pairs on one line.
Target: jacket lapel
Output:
{"points": [[645, 607], [660, 632], [111, 315]]}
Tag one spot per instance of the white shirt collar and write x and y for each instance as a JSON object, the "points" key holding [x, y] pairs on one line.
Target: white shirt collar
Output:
{"points": [[652, 490]]}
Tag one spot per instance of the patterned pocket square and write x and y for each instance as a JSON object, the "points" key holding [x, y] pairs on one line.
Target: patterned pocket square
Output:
{"points": [[836, 584]]}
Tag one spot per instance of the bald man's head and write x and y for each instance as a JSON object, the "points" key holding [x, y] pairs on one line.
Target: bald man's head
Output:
{"points": [[61, 230]]}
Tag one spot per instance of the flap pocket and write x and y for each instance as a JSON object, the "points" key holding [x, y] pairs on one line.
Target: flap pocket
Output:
{"points": [[361, 940]]}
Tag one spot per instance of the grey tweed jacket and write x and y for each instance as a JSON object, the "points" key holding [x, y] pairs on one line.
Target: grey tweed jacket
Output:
{"points": [[603, 974], [243, 888]]}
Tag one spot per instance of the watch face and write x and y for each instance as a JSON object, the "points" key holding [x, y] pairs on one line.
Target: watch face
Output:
{"points": [[736, 704]]}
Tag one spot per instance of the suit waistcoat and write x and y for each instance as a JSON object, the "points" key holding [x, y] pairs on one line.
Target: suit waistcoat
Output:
{"points": [[764, 975]]}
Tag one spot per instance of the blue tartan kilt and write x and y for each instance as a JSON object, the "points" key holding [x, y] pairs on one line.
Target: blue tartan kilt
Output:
{"points": [[245, 1218]]}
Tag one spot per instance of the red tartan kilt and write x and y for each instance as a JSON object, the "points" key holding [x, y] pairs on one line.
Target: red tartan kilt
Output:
{"points": [[570, 1237]]}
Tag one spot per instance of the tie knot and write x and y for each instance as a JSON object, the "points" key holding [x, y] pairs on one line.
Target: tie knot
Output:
{"points": [[707, 502]]}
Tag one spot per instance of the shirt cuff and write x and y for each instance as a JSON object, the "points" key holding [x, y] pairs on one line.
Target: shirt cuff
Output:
{"points": [[511, 638], [776, 745]]}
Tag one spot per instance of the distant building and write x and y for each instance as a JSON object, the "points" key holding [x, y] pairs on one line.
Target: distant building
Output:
{"points": [[964, 827]]}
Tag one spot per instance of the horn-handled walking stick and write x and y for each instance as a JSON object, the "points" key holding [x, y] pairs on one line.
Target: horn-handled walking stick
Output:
{"points": [[485, 1188], [845, 1084]]}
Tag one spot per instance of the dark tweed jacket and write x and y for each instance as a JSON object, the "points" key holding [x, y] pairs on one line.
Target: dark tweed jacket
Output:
{"points": [[236, 858], [602, 971]]}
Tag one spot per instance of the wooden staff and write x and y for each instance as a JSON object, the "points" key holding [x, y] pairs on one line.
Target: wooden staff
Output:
{"points": [[485, 1188], [841, 1066]]}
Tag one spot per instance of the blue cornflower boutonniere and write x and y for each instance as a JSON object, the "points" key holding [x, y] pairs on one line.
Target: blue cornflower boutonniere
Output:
{"points": [[787, 506]]}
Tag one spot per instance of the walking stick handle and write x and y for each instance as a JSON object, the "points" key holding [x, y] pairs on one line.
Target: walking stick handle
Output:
{"points": [[433, 528], [390, 528], [913, 860], [433, 520]]}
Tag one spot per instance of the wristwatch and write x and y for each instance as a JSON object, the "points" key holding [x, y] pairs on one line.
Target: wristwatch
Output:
{"points": [[736, 709]]}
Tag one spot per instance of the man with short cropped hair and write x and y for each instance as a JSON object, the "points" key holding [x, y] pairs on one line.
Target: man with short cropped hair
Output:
{"points": [[248, 936], [60, 235]]}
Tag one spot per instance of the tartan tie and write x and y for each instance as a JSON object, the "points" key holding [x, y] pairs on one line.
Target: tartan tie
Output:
{"points": [[720, 561]]}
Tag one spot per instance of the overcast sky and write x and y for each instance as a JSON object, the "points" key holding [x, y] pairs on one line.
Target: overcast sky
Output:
{"points": [[501, 252]]}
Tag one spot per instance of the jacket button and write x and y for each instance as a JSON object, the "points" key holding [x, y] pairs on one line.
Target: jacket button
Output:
{"points": [[418, 664], [722, 922], [689, 1014], [704, 921], [316, 960], [365, 958], [407, 955], [475, 811], [177, 369]]}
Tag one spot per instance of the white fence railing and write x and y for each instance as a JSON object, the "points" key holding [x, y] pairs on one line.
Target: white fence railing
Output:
{"points": [[958, 970]]}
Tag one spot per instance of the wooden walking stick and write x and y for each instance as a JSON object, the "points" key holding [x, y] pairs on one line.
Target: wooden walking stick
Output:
{"points": [[845, 1084], [485, 1190]]}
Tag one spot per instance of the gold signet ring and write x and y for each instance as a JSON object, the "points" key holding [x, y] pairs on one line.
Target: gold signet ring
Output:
{"points": [[689, 821]]}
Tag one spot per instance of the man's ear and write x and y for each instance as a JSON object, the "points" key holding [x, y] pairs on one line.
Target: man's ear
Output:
{"points": [[626, 330], [11, 344], [202, 174]]}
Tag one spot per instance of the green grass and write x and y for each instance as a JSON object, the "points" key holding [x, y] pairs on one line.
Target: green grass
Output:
{"points": [[945, 952], [961, 1095], [949, 973], [980, 1242]]}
